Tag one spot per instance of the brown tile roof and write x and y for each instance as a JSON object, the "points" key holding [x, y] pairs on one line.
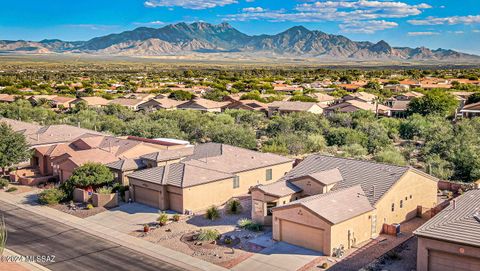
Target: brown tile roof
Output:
{"points": [[280, 188], [399, 105], [62, 99], [327, 177], [93, 101], [126, 102], [354, 105], [363, 96], [458, 224], [471, 107], [336, 206], [7, 98], [205, 103], [322, 97], [127, 164]]}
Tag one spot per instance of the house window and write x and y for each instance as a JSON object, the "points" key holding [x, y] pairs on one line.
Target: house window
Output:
{"points": [[268, 174], [401, 203], [270, 205], [393, 207], [406, 198], [236, 182]]}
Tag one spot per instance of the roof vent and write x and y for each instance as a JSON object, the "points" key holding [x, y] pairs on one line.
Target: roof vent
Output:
{"points": [[477, 217]]}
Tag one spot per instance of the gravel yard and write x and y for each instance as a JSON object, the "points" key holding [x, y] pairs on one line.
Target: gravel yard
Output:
{"points": [[227, 256], [80, 211]]}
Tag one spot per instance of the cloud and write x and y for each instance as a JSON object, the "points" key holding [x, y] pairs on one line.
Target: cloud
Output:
{"points": [[92, 26], [153, 23], [253, 9], [470, 19], [189, 4], [476, 30], [366, 27], [427, 33]]}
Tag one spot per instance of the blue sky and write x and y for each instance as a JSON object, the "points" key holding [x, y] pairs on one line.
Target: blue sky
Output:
{"points": [[453, 24]]}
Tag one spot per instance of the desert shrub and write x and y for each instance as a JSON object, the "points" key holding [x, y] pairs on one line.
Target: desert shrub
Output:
{"points": [[51, 196], [324, 265], [89, 206], [234, 206], [390, 156], [212, 213], [3, 183], [176, 217], [162, 219], [104, 190], [11, 189], [208, 235], [250, 225]]}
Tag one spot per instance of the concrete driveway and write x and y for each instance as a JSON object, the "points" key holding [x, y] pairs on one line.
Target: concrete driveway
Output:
{"points": [[126, 218], [279, 256]]}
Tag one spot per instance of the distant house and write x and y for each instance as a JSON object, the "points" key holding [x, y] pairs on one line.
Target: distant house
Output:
{"points": [[451, 239], [396, 87], [360, 96], [163, 103], [7, 98], [91, 101], [326, 202], [356, 105], [204, 105], [408, 96], [62, 101], [251, 105], [281, 87], [285, 107], [323, 98], [349, 87], [470, 110], [195, 178], [398, 108], [140, 96], [130, 103]]}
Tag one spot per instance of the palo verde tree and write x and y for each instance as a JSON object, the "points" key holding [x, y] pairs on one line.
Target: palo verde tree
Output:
{"points": [[13, 147]]}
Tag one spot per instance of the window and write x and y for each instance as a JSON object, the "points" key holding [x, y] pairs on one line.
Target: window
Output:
{"points": [[401, 203], [270, 205], [236, 182], [406, 198], [393, 207], [268, 174]]}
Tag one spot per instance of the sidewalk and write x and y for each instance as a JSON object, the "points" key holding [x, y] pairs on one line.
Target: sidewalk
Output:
{"points": [[156, 251]]}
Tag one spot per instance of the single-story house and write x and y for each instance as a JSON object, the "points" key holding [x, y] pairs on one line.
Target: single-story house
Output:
{"points": [[140, 96], [470, 110], [7, 98], [251, 105], [163, 103], [360, 96], [326, 202], [203, 105], [132, 104], [91, 101], [357, 105], [451, 239], [323, 98], [195, 178], [285, 107]]}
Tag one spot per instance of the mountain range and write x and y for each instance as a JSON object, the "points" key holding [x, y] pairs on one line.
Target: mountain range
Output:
{"points": [[204, 38]]}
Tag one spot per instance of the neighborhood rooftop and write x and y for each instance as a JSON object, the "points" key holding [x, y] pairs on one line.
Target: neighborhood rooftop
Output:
{"points": [[457, 222]]}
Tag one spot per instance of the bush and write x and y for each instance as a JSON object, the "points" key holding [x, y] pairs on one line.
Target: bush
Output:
{"points": [[250, 225], [212, 213], [3, 183], [51, 196], [324, 265], [234, 206], [208, 235], [104, 190], [390, 156], [176, 217], [11, 189], [163, 219], [89, 206]]}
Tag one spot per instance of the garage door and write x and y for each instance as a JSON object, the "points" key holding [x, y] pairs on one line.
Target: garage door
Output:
{"points": [[440, 261], [147, 196], [301, 235]]}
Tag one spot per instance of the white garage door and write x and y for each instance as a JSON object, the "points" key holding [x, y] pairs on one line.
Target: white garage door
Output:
{"points": [[301, 235], [444, 261]]}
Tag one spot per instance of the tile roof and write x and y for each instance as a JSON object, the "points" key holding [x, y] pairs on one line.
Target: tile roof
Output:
{"points": [[399, 105], [7, 98], [336, 206], [126, 102], [471, 107], [371, 176], [127, 164], [279, 189], [205, 103], [327, 177], [457, 224], [292, 106], [92, 101]]}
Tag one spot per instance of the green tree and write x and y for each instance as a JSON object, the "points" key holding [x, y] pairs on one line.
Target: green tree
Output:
{"points": [[88, 175], [435, 102], [390, 156], [13, 147], [181, 95]]}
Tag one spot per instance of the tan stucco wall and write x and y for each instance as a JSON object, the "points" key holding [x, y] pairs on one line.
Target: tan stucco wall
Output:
{"points": [[309, 186], [425, 245], [202, 196], [305, 217], [360, 231], [423, 191]]}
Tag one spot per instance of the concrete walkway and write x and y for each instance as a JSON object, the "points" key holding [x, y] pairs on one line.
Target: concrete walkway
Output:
{"points": [[136, 244], [126, 218], [279, 256]]}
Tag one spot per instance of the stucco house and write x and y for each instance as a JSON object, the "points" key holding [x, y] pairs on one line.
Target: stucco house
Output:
{"points": [[357, 105], [251, 105], [451, 239], [203, 105], [326, 202], [285, 107], [163, 103], [470, 110], [195, 178], [130, 103], [91, 101]]}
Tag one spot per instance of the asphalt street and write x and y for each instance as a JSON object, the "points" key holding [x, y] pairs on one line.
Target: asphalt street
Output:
{"points": [[33, 235]]}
